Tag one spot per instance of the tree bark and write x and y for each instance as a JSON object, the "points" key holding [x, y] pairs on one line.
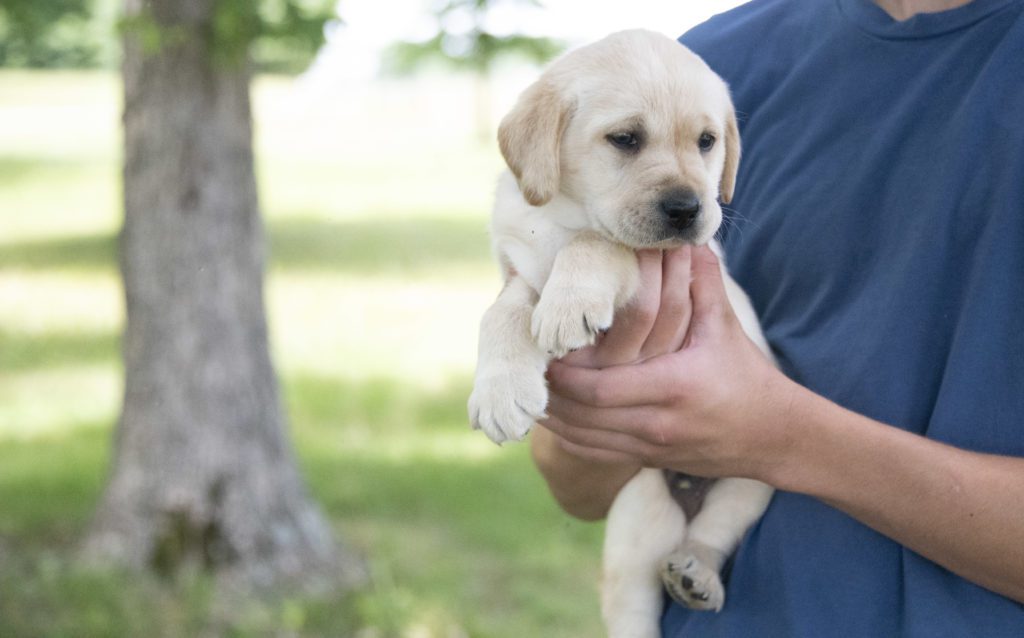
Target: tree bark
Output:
{"points": [[203, 474]]}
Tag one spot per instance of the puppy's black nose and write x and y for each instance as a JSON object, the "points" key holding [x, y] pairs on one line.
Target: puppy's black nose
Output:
{"points": [[681, 208]]}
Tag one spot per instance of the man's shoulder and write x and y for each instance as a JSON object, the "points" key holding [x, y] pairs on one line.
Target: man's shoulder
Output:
{"points": [[742, 39]]}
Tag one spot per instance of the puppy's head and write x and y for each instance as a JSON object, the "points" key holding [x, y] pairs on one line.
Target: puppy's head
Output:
{"points": [[637, 130]]}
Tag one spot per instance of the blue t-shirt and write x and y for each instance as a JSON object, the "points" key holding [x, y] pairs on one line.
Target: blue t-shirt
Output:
{"points": [[879, 230]]}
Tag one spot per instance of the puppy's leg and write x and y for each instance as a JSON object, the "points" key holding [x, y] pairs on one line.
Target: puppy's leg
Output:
{"points": [[591, 277], [509, 392], [691, 575], [644, 526]]}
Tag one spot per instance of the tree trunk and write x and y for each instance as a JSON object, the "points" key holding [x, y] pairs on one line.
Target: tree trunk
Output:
{"points": [[203, 474]]}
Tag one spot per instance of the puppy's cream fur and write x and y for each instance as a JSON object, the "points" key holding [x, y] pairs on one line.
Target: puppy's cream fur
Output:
{"points": [[579, 199]]}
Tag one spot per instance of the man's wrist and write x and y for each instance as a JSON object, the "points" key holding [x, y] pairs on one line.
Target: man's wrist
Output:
{"points": [[787, 453]]}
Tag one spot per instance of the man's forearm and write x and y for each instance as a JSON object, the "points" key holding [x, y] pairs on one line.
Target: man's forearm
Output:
{"points": [[583, 488], [962, 510]]}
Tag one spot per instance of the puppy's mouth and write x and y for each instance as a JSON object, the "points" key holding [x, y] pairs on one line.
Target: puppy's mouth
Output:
{"points": [[675, 240], [652, 228]]}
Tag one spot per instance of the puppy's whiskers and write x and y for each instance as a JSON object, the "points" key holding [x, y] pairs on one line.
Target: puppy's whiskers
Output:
{"points": [[734, 216], [733, 220]]}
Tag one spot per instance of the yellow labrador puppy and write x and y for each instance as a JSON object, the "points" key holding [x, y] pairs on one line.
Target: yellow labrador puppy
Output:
{"points": [[624, 144]]}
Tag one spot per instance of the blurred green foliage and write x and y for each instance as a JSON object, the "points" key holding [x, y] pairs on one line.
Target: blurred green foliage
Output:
{"points": [[465, 41], [293, 31], [282, 36], [57, 33]]}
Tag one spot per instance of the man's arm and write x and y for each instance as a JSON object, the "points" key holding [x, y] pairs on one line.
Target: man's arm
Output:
{"points": [[718, 408], [960, 509], [583, 487]]}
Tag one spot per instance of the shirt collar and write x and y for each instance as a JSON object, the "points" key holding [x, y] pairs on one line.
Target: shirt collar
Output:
{"points": [[872, 18]]}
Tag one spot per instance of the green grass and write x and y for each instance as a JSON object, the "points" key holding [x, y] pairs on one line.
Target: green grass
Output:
{"points": [[379, 272]]}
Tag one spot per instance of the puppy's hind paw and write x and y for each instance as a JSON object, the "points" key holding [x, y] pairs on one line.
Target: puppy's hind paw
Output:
{"points": [[568, 320], [506, 405], [692, 583]]}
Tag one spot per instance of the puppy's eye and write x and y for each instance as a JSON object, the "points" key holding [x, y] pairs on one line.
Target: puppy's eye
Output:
{"points": [[706, 141], [624, 141]]}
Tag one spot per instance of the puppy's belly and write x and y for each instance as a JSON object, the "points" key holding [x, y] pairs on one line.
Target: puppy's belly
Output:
{"points": [[688, 491]]}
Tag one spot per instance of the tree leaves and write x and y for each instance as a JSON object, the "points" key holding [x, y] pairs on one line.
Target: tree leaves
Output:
{"points": [[279, 35], [54, 33], [476, 48]]}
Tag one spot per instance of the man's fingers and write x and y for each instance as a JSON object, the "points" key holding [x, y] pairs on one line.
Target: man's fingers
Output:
{"points": [[707, 288], [615, 428], [617, 386], [632, 324], [623, 446], [673, 318], [596, 455]]}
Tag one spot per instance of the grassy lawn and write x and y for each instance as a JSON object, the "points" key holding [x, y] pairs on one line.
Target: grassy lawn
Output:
{"points": [[375, 201]]}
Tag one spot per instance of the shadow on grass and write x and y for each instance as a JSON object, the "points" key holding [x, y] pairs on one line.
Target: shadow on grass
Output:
{"points": [[387, 245], [22, 352], [48, 485], [86, 252], [14, 169], [460, 545], [46, 594], [383, 404]]}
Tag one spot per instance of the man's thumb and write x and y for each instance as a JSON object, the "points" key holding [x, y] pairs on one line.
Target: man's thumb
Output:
{"points": [[707, 290]]}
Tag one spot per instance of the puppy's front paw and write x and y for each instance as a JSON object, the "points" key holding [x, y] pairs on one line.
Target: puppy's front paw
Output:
{"points": [[570, 318], [692, 583], [506, 404]]}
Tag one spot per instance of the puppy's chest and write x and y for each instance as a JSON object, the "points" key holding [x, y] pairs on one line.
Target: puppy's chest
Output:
{"points": [[529, 244], [531, 251]]}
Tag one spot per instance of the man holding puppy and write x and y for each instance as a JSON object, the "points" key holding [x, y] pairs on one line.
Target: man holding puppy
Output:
{"points": [[880, 235]]}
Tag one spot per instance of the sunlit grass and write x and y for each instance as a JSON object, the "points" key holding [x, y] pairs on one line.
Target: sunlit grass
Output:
{"points": [[52, 401], [375, 205], [419, 332], [59, 116], [39, 302]]}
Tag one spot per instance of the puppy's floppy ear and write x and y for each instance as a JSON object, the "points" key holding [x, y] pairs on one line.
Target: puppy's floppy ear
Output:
{"points": [[732, 157], [530, 137]]}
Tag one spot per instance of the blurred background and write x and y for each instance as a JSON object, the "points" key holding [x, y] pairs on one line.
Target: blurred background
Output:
{"points": [[375, 163]]}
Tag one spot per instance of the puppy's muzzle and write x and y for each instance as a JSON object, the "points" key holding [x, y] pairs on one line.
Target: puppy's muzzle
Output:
{"points": [[681, 209]]}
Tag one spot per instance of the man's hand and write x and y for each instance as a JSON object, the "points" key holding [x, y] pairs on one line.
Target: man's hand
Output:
{"points": [[654, 324], [696, 395], [717, 407]]}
